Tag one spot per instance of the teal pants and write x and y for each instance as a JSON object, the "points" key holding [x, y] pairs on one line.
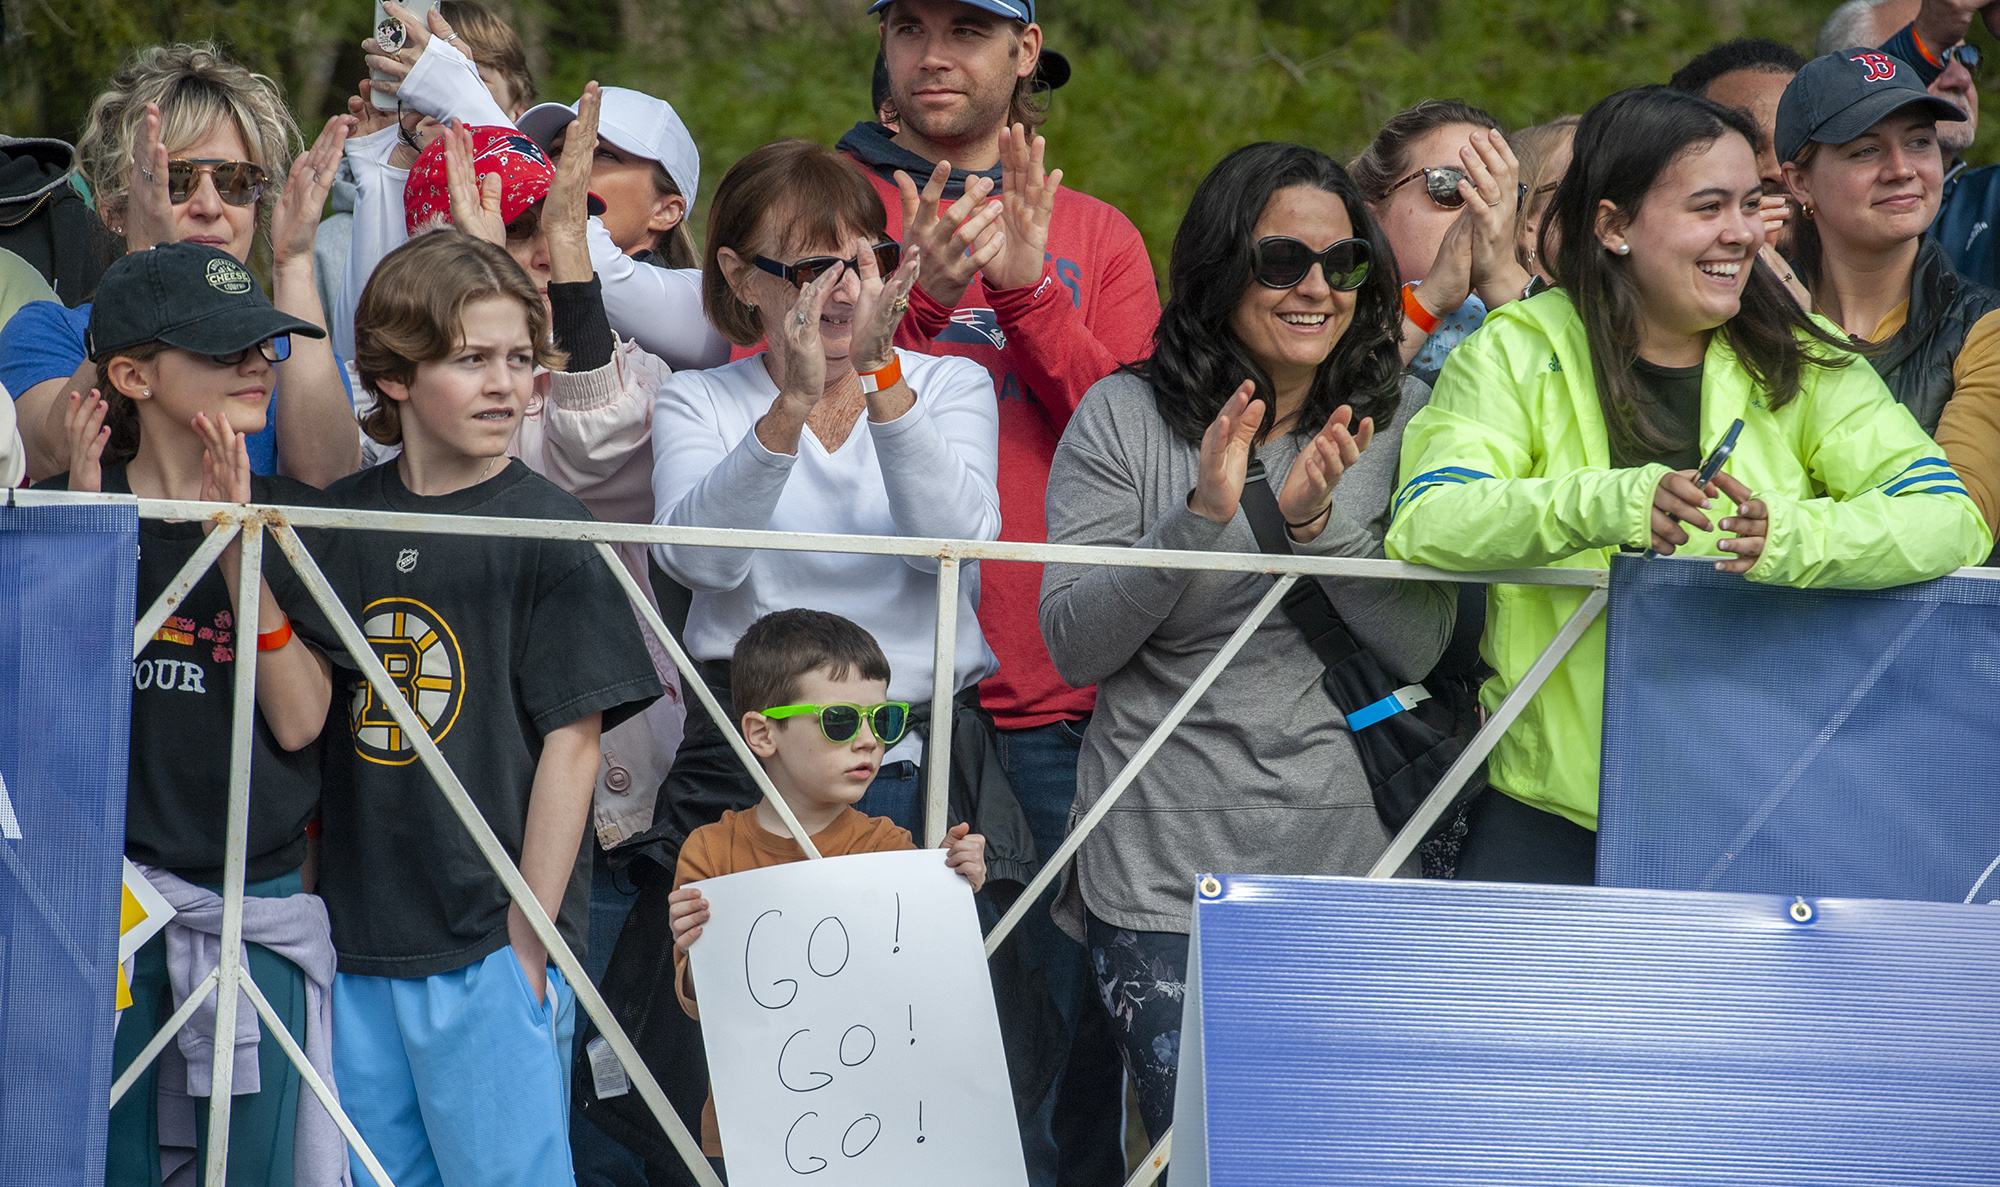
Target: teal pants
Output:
{"points": [[260, 1125]]}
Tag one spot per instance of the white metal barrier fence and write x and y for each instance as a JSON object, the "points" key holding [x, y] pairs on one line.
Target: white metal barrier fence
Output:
{"points": [[250, 522]]}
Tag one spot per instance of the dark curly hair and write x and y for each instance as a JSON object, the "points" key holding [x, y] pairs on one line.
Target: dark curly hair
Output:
{"points": [[1197, 360]]}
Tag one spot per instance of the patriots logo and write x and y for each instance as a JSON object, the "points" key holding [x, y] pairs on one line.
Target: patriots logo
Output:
{"points": [[500, 147], [978, 327]]}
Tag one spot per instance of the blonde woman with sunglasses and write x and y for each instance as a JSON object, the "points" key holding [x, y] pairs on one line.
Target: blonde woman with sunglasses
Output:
{"points": [[186, 146]]}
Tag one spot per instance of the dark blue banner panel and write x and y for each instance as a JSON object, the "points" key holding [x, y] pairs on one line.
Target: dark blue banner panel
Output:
{"points": [[66, 614], [1349, 1031]]}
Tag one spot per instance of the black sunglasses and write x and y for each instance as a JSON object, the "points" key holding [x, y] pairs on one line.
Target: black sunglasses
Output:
{"points": [[274, 350], [803, 272], [1281, 262], [240, 183]]}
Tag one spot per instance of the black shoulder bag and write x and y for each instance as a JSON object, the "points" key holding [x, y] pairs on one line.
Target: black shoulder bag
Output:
{"points": [[1407, 736]]}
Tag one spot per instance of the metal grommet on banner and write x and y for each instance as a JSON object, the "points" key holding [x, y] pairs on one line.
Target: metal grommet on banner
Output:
{"points": [[1211, 887], [1801, 911]]}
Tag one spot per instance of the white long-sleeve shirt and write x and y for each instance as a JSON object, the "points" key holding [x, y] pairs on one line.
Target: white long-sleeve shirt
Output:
{"points": [[930, 472], [659, 308]]}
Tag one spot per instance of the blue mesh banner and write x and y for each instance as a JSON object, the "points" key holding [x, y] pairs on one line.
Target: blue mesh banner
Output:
{"points": [[1795, 742], [1391, 1033], [66, 613]]}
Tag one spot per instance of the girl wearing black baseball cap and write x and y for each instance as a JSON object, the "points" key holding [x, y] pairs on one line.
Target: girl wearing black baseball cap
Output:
{"points": [[1858, 135], [185, 344]]}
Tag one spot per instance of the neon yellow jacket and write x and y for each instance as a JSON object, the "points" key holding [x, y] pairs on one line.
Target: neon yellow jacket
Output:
{"points": [[1509, 467]]}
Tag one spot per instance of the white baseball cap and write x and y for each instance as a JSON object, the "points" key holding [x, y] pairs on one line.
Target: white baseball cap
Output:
{"points": [[635, 122]]}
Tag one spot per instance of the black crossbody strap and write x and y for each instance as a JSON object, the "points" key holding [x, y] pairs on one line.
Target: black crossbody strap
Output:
{"points": [[1305, 603]]}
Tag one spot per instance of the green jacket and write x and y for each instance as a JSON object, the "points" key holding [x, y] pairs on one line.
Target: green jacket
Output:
{"points": [[1509, 467]]}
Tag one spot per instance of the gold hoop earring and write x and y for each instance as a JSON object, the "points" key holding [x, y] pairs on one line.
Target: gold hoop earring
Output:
{"points": [[1808, 211]]}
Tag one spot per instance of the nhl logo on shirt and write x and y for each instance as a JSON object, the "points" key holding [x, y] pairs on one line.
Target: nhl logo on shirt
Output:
{"points": [[228, 276], [423, 659], [406, 560]]}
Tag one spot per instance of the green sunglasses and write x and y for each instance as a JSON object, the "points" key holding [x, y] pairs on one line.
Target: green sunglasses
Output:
{"points": [[840, 723]]}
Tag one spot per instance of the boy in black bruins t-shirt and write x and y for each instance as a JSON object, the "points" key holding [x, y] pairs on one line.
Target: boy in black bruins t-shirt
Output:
{"points": [[453, 1044]]}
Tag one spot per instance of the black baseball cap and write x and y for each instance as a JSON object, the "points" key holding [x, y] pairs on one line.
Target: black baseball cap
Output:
{"points": [[1839, 96], [187, 295]]}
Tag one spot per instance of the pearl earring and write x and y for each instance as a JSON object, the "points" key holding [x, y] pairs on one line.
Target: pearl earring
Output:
{"points": [[146, 391], [1624, 249]]}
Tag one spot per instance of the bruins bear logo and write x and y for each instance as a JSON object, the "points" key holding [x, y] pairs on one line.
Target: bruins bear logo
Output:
{"points": [[421, 654]]}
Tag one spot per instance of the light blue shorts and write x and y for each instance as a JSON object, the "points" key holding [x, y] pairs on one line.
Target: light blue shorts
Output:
{"points": [[457, 1080]]}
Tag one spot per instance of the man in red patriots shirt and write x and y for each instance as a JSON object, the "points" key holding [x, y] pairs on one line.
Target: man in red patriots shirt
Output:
{"points": [[1050, 290]]}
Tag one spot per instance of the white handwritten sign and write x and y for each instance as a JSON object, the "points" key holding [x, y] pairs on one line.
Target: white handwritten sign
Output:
{"points": [[850, 1027]]}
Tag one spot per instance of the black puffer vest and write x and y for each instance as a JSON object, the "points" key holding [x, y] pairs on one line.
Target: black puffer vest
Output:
{"points": [[1944, 306]]}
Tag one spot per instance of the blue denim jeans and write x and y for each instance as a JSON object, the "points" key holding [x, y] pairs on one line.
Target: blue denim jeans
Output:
{"points": [[898, 793], [602, 1161], [1076, 1138]]}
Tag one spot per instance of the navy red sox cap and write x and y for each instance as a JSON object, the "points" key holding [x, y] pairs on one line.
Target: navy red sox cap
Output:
{"points": [[1839, 96]]}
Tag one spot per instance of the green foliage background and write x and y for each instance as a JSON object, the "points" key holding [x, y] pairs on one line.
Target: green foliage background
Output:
{"points": [[1163, 88]]}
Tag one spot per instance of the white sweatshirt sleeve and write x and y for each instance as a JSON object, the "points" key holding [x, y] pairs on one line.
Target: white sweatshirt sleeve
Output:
{"points": [[940, 460], [378, 225], [659, 308], [445, 84], [700, 481]]}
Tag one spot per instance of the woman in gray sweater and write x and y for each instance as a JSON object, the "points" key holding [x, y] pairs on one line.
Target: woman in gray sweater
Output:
{"points": [[1280, 341]]}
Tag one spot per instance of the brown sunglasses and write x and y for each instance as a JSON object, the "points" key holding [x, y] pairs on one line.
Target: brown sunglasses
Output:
{"points": [[239, 183]]}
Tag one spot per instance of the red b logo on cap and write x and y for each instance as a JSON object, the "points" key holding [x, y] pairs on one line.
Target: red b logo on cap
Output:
{"points": [[1881, 67]]}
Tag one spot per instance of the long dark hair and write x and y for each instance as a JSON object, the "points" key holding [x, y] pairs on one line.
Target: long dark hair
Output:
{"points": [[1198, 361], [1622, 146]]}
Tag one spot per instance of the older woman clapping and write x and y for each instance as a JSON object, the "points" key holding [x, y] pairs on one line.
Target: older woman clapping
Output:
{"points": [[829, 430]]}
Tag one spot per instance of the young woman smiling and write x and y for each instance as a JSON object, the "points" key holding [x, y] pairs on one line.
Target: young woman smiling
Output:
{"points": [[1867, 178], [1572, 425]]}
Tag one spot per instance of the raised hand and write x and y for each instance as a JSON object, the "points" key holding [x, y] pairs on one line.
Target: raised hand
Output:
{"points": [[965, 852], [225, 461], [800, 352], [88, 435], [1225, 456], [369, 119], [149, 211], [1307, 498], [397, 64], [475, 201], [566, 211], [1027, 203], [880, 307], [1492, 199], [956, 241], [295, 216], [1751, 523]]}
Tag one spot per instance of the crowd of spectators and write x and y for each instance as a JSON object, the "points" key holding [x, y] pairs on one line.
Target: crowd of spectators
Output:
{"points": [[1474, 348]]}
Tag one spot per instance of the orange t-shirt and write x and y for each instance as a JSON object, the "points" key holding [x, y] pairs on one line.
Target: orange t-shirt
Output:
{"points": [[737, 843]]}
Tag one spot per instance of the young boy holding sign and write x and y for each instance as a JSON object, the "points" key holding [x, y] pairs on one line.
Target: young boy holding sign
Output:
{"points": [[790, 666]]}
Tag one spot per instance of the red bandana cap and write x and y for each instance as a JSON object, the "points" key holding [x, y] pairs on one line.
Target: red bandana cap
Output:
{"points": [[525, 176]]}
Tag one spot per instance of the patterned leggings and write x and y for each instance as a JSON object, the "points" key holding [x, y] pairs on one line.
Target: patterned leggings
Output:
{"points": [[1142, 981]]}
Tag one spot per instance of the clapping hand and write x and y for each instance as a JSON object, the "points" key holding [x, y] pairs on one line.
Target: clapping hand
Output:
{"points": [[1492, 200], [88, 435], [880, 307], [1027, 203], [800, 354], [1307, 498], [1225, 456], [955, 242], [225, 461], [149, 210], [295, 217], [566, 211], [475, 201]]}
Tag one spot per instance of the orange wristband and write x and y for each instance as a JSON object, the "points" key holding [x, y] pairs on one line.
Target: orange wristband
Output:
{"points": [[272, 640], [889, 376], [1414, 310]]}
